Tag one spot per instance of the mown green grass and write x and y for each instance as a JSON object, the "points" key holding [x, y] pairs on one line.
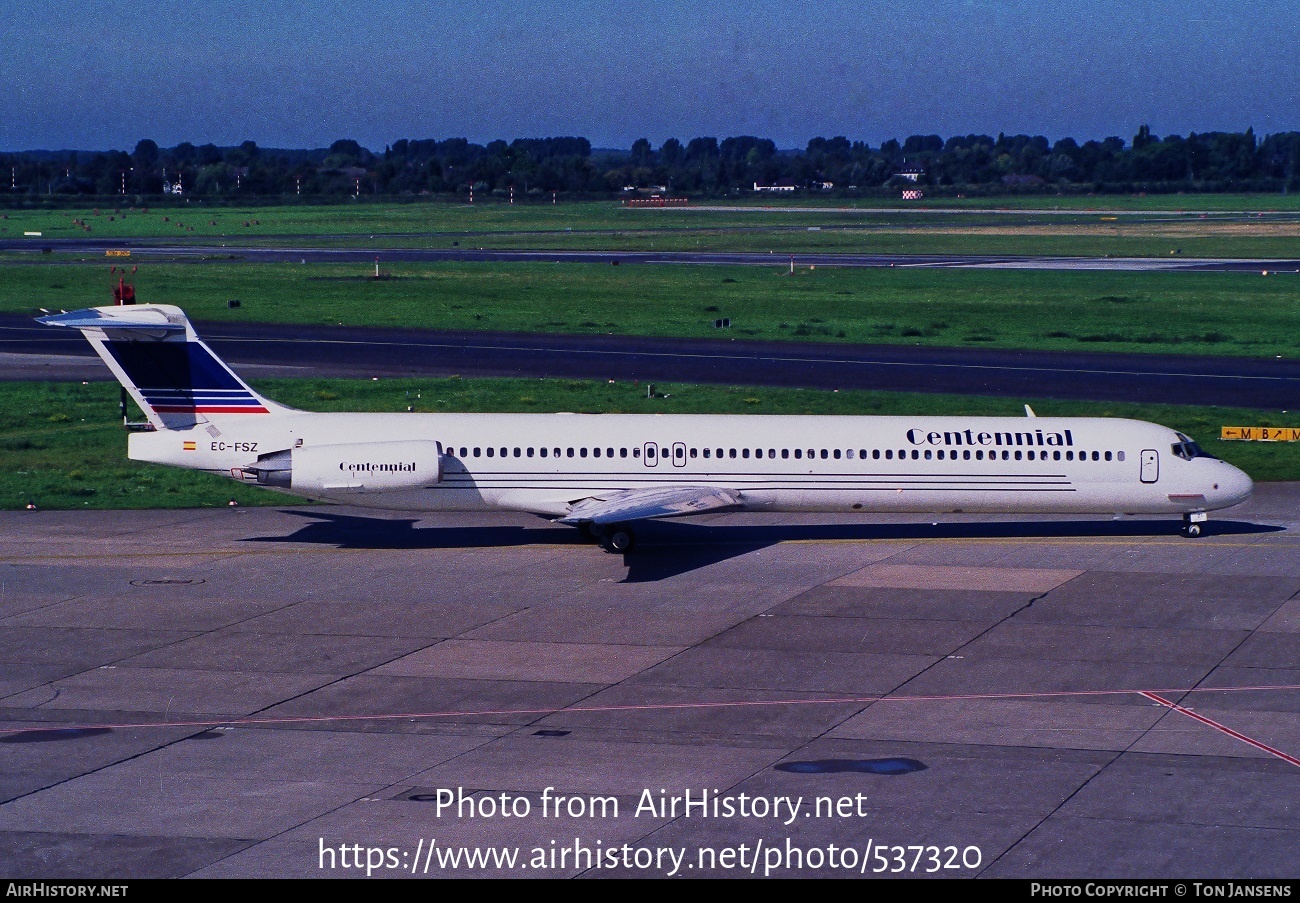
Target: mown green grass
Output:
{"points": [[1189, 313], [783, 227], [62, 444]]}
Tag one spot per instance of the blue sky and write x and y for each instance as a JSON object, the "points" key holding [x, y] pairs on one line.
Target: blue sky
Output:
{"points": [[96, 74]]}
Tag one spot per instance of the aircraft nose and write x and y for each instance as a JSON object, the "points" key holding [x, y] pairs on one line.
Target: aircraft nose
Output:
{"points": [[1234, 485]]}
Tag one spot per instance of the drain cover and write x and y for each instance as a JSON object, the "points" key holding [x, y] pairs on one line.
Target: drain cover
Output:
{"points": [[49, 735], [866, 766]]}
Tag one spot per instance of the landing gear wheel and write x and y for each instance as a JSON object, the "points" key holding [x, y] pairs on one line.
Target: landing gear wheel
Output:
{"points": [[1193, 524], [1191, 530], [619, 540]]}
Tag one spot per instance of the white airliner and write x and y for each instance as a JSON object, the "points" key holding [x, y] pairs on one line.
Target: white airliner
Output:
{"points": [[605, 472]]}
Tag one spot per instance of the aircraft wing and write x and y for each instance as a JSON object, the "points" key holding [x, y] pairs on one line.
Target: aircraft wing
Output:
{"points": [[640, 504]]}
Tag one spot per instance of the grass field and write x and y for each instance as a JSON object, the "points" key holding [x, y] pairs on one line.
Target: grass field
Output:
{"points": [[62, 444], [63, 447], [1190, 313], [1234, 225]]}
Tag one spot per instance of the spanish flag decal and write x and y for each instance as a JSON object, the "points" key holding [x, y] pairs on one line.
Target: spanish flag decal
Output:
{"points": [[189, 446]]}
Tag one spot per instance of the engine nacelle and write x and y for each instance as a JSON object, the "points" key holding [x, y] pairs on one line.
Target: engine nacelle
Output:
{"points": [[353, 467]]}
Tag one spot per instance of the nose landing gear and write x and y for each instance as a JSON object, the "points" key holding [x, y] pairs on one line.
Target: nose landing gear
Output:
{"points": [[1194, 523]]}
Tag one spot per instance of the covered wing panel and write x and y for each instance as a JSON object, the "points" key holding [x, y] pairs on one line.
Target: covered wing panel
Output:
{"points": [[640, 504]]}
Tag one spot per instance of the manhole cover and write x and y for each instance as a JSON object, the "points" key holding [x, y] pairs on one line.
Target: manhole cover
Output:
{"points": [[168, 581]]}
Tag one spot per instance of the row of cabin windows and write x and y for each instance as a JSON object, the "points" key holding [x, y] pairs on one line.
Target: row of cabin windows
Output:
{"points": [[876, 454]]}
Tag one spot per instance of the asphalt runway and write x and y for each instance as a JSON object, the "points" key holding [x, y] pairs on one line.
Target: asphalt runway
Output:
{"points": [[315, 253], [31, 351], [242, 692]]}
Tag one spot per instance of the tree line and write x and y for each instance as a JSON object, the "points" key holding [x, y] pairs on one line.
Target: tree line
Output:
{"points": [[702, 167]]}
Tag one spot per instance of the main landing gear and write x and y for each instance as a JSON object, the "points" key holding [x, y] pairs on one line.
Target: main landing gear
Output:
{"points": [[1194, 524], [617, 539]]}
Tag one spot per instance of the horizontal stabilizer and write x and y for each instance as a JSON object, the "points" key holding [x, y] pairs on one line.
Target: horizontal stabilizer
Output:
{"points": [[640, 504], [115, 318]]}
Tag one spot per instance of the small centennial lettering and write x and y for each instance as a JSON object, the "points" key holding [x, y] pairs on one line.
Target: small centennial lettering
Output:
{"points": [[368, 467]]}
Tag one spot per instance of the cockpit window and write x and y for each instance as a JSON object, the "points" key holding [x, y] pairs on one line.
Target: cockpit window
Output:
{"points": [[1186, 449]]}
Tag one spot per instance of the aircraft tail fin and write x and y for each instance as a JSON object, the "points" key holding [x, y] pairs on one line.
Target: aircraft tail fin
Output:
{"points": [[168, 370]]}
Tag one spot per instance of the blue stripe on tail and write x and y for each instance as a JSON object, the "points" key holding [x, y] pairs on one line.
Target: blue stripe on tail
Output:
{"points": [[183, 378]]}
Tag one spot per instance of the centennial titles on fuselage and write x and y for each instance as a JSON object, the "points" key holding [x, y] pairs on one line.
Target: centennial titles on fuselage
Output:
{"points": [[1062, 439]]}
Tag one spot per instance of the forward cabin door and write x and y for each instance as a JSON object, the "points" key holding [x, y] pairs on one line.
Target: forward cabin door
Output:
{"points": [[1150, 465], [650, 454]]}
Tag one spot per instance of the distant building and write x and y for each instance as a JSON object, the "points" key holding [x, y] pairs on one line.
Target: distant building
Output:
{"points": [[783, 185], [910, 171]]}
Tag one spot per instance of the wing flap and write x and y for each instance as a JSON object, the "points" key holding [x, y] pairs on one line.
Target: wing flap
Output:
{"points": [[641, 504]]}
